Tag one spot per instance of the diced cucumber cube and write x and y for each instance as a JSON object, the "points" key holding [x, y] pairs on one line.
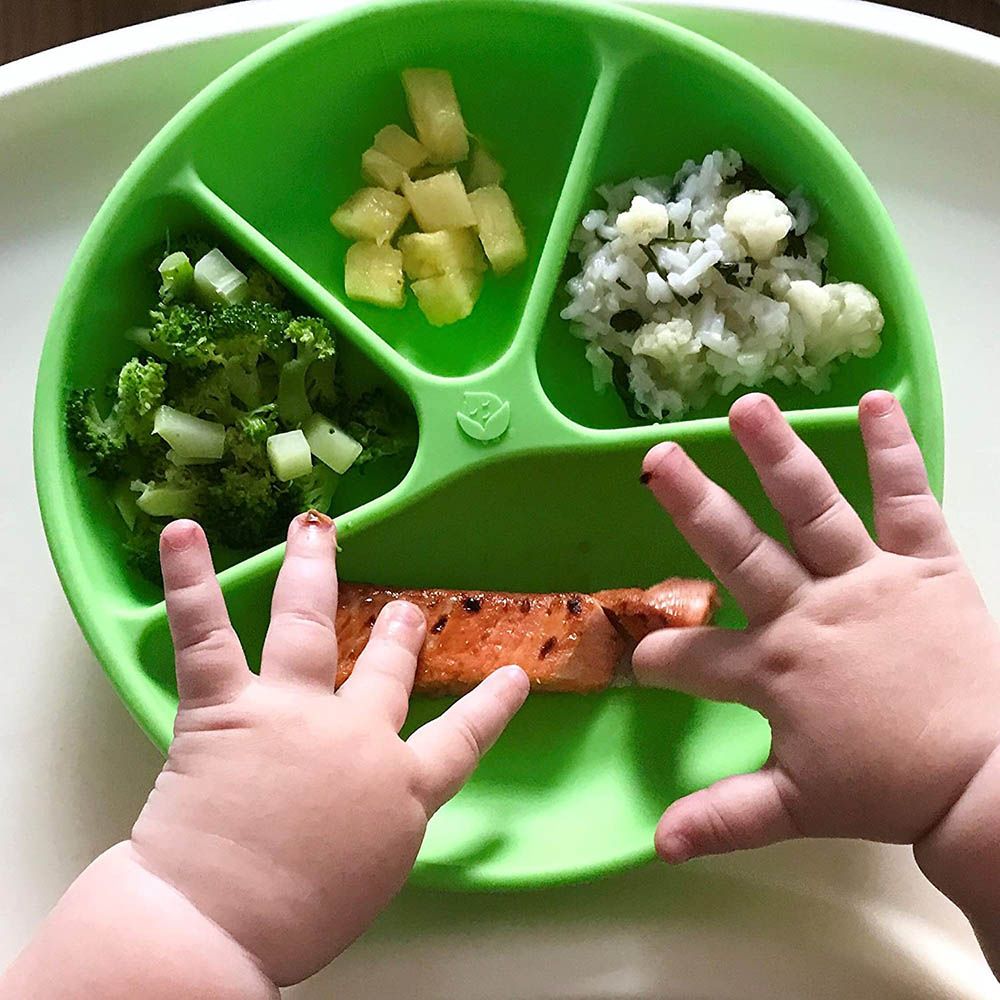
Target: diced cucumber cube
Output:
{"points": [[374, 274], [437, 117], [289, 455], [371, 214], [440, 202], [331, 445], [499, 230]]}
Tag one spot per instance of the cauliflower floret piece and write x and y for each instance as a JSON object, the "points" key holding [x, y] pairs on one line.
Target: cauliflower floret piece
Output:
{"points": [[835, 319], [645, 220], [760, 219], [666, 341]]}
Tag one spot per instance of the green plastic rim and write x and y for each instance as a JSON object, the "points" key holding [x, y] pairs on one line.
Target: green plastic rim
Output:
{"points": [[569, 95]]}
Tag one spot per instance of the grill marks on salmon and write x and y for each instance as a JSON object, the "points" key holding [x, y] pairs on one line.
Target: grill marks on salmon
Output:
{"points": [[564, 641]]}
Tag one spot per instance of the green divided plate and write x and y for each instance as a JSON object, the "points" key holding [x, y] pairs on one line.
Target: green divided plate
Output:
{"points": [[523, 477]]}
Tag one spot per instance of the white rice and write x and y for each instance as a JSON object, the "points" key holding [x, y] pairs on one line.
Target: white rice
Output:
{"points": [[695, 285]]}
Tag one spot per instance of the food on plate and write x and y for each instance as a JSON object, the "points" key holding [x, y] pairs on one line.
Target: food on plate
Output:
{"points": [[428, 254], [436, 115], [400, 146], [484, 170], [374, 273], [449, 297], [439, 202], [371, 214], [232, 396], [674, 603], [499, 231], [565, 642], [416, 185], [695, 285]]}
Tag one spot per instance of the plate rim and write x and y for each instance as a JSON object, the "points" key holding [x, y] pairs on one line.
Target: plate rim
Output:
{"points": [[235, 20]]}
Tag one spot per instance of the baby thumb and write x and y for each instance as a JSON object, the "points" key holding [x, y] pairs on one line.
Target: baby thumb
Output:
{"points": [[747, 810]]}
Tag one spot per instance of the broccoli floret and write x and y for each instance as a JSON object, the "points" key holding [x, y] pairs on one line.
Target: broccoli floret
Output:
{"points": [[259, 324], [142, 549], [184, 334], [263, 286], [256, 427], [313, 341], [244, 333], [101, 439], [316, 490], [141, 387], [254, 367], [324, 385], [377, 425], [243, 509], [208, 391]]}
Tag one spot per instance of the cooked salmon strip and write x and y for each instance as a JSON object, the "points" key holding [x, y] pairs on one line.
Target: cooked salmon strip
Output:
{"points": [[675, 603], [564, 642]]}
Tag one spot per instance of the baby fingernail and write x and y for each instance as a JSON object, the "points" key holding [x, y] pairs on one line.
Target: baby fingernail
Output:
{"points": [[317, 520], [399, 616], [880, 403], [180, 535]]}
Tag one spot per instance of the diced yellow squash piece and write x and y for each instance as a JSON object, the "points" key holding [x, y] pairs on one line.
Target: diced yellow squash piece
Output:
{"points": [[371, 214], [499, 230], [374, 274], [440, 202], [428, 254], [381, 170], [401, 147], [484, 171], [430, 95], [447, 298]]}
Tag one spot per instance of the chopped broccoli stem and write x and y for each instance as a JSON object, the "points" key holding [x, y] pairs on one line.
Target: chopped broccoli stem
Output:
{"points": [[158, 500], [293, 401], [217, 279], [330, 444], [289, 455], [190, 437], [177, 276]]}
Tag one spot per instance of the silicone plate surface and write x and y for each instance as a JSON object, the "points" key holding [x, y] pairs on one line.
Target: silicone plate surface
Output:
{"points": [[569, 96]]}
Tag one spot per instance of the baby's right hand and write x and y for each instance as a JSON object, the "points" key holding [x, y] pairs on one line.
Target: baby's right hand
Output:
{"points": [[877, 665]]}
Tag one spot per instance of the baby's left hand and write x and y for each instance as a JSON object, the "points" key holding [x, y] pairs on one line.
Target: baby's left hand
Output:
{"points": [[289, 813]]}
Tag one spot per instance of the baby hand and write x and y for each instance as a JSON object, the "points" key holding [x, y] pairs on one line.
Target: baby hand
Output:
{"points": [[877, 665], [289, 813]]}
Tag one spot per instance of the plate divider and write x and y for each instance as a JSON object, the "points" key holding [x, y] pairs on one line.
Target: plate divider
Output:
{"points": [[221, 214]]}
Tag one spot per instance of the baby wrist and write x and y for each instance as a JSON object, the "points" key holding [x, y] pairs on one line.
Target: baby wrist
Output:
{"points": [[960, 855]]}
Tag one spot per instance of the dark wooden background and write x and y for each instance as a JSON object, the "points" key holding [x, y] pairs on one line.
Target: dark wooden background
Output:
{"points": [[28, 26]]}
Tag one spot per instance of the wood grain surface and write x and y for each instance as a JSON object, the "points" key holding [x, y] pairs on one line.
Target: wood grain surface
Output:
{"points": [[28, 26]]}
